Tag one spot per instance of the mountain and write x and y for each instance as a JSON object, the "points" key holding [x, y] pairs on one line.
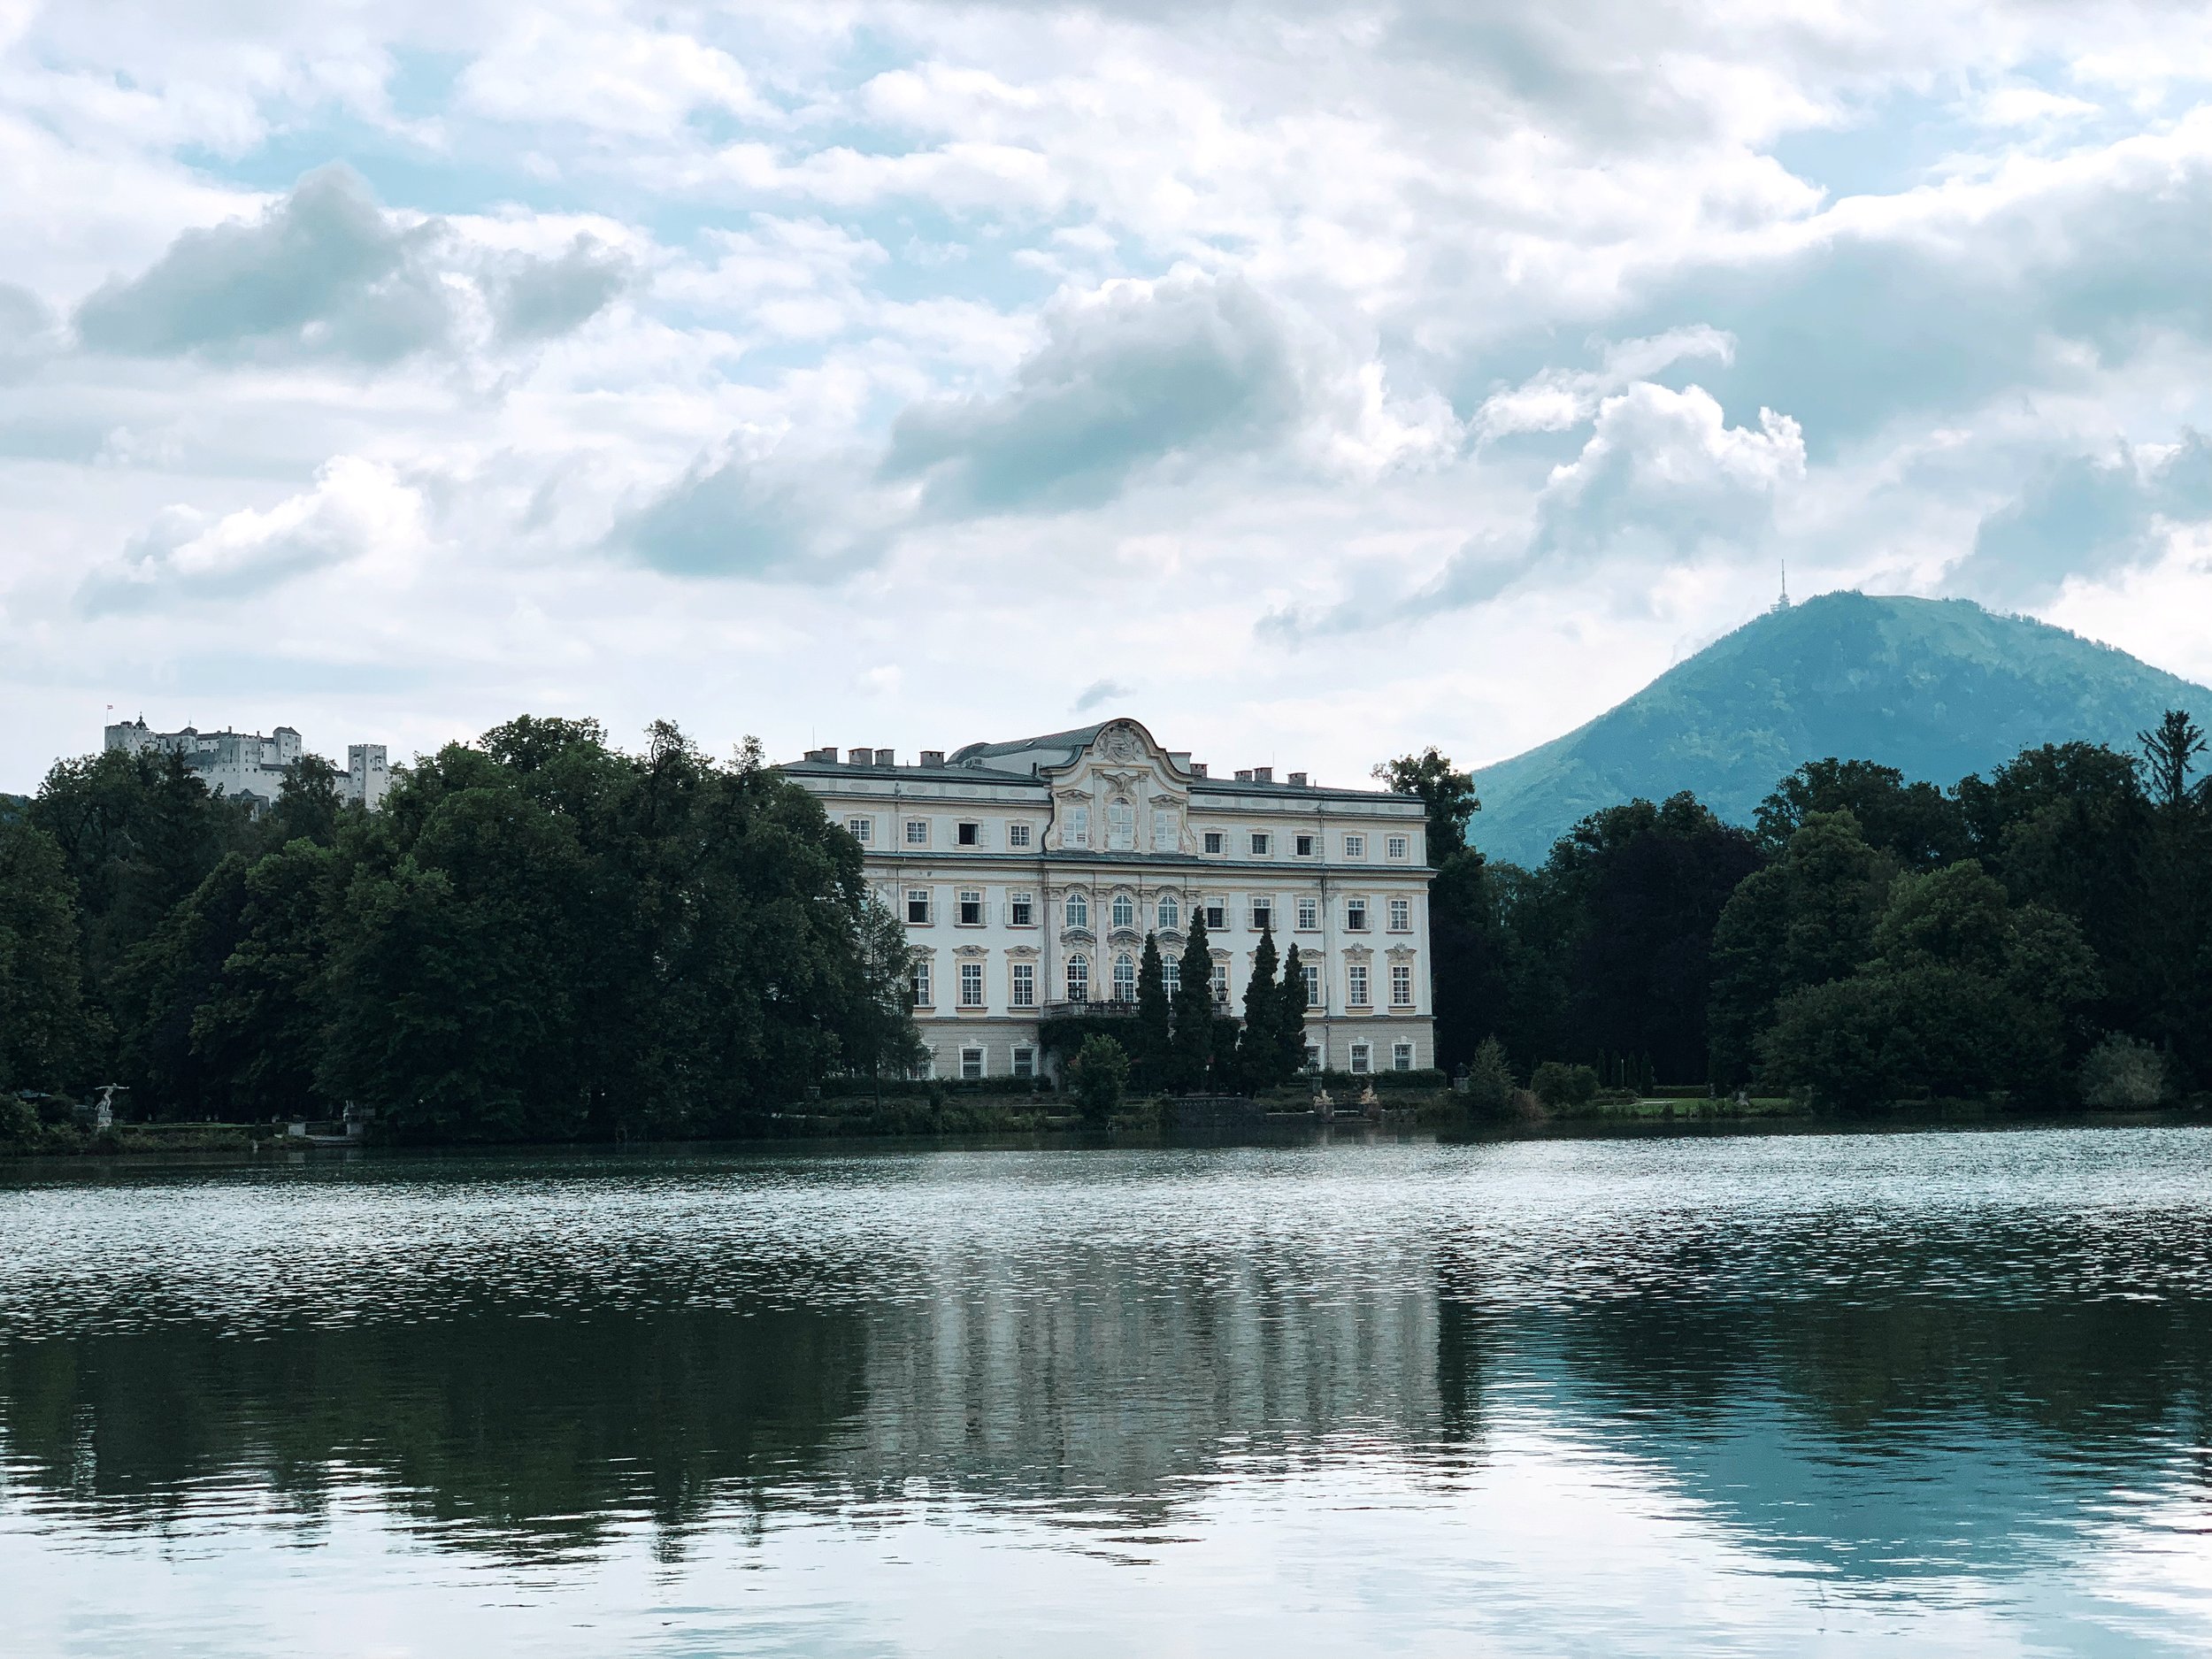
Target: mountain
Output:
{"points": [[1935, 687]]}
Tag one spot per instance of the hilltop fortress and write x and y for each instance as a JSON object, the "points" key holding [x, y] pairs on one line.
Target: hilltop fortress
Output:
{"points": [[250, 766]]}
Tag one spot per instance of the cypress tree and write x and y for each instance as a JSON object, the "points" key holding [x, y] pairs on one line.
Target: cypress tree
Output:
{"points": [[1290, 1017], [1193, 1046], [1153, 1031], [1260, 1047]]}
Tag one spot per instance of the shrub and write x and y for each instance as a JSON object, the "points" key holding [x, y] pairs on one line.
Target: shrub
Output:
{"points": [[1490, 1080], [1097, 1075], [18, 1123], [2121, 1073], [1557, 1084]]}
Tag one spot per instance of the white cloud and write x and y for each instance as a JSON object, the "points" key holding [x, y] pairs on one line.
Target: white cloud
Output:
{"points": [[357, 510], [773, 347]]}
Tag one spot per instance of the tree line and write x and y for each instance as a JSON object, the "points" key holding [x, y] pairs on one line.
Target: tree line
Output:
{"points": [[2043, 934], [538, 936], [541, 936]]}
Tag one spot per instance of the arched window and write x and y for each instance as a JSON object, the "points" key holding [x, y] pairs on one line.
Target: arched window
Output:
{"points": [[1079, 911], [1121, 826], [1171, 974], [1124, 979], [1170, 911], [1078, 978], [1125, 910]]}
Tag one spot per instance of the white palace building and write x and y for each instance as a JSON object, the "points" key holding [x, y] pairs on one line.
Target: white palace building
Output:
{"points": [[1029, 872]]}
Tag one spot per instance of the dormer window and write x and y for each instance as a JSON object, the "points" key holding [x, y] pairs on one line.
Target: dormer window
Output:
{"points": [[1076, 832], [1163, 836]]}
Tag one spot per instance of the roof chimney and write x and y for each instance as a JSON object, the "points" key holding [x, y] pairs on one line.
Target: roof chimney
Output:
{"points": [[1244, 774], [1297, 780], [1198, 769], [932, 757], [829, 754], [886, 758], [860, 758], [1263, 774]]}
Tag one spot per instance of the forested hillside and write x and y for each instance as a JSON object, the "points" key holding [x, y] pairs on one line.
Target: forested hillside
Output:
{"points": [[1936, 689]]}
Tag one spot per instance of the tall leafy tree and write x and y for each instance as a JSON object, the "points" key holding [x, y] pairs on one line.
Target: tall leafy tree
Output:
{"points": [[1260, 1044], [1915, 824], [1290, 1017], [1803, 920], [1446, 793], [1191, 1054], [1647, 884], [1155, 1031], [43, 1035]]}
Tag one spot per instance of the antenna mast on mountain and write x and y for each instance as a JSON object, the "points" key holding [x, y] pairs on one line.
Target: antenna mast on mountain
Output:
{"points": [[1783, 603]]}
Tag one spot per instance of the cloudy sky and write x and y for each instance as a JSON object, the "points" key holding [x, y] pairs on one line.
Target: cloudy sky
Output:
{"points": [[1309, 381]]}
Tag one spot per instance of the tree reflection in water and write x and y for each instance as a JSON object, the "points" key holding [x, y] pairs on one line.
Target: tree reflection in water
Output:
{"points": [[1937, 1414]]}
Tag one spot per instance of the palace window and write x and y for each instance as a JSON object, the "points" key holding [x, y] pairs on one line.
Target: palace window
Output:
{"points": [[972, 985], [1171, 974], [1025, 985], [1170, 911], [1221, 984], [1362, 1057], [1260, 843], [1355, 985], [1310, 973], [1124, 979], [1217, 915], [918, 978], [1021, 910], [1079, 911], [1121, 827], [970, 907], [1262, 915], [1024, 1063], [1402, 1056], [1125, 910], [1400, 985], [918, 832], [1078, 978], [1401, 916], [1355, 847], [1356, 915], [1309, 915], [1017, 834], [969, 834], [861, 829], [972, 1064], [1213, 841], [917, 907], [1302, 846], [1396, 847], [1313, 1057], [1077, 831], [1163, 840]]}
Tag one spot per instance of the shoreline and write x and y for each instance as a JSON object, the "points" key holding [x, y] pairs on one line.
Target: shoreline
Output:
{"points": [[1027, 1128]]}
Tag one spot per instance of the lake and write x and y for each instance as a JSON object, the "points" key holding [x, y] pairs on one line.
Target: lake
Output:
{"points": [[1932, 1393]]}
